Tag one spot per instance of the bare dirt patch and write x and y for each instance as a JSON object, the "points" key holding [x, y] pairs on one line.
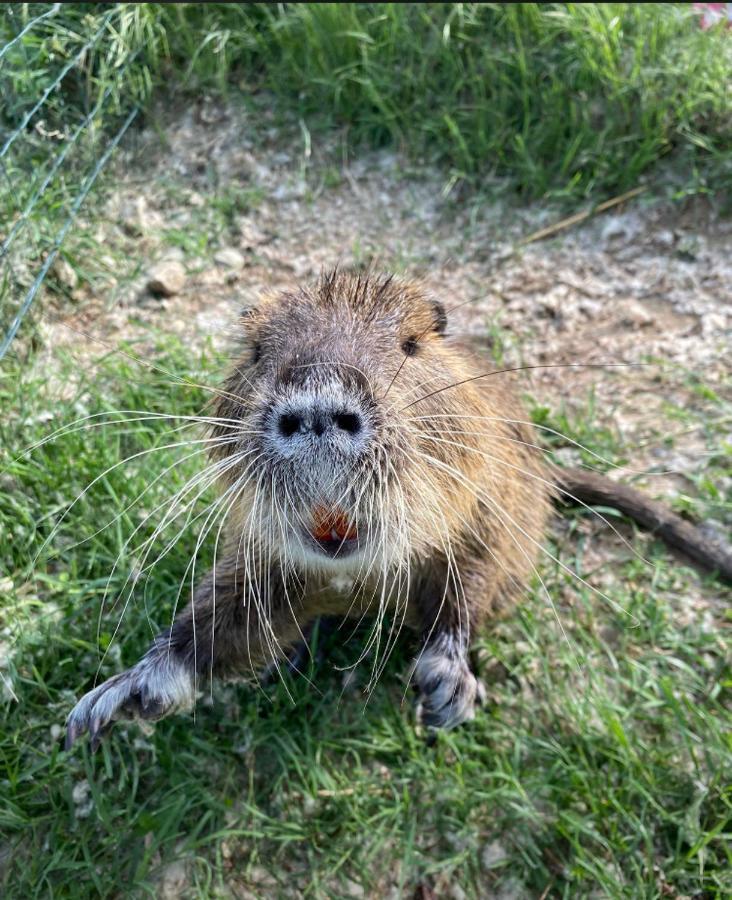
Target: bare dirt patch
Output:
{"points": [[246, 206]]}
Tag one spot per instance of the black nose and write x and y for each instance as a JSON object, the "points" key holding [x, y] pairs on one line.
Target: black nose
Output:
{"points": [[319, 421]]}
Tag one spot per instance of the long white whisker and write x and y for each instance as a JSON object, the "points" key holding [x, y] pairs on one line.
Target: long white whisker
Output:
{"points": [[544, 481]]}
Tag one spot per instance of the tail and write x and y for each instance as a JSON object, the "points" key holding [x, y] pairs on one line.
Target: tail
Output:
{"points": [[594, 489]]}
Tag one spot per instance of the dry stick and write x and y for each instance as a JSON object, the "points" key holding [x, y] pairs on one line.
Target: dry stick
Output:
{"points": [[581, 216]]}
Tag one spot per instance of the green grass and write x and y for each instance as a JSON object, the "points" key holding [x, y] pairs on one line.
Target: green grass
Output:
{"points": [[562, 101], [600, 767], [568, 99], [608, 779]]}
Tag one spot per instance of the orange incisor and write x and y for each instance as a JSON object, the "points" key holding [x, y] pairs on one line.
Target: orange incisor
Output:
{"points": [[332, 525]]}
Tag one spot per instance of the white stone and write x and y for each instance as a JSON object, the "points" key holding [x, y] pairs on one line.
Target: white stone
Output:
{"points": [[64, 273], [229, 257], [166, 278]]}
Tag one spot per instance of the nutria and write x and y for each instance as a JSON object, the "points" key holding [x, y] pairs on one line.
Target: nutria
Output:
{"points": [[368, 465]]}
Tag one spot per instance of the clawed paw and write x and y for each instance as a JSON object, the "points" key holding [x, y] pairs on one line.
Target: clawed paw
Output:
{"points": [[448, 691], [155, 687]]}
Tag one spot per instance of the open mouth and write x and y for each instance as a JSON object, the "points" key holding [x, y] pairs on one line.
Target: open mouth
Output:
{"points": [[332, 533]]}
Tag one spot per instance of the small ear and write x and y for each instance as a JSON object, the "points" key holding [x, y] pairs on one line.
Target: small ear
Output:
{"points": [[440, 317]]}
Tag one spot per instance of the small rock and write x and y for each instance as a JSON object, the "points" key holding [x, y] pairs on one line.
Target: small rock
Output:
{"points": [[503, 251], [688, 248], [494, 854], [302, 267], [664, 239], [175, 254], [56, 732], [166, 278], [512, 889], [293, 191], [173, 881], [259, 877], [80, 791], [636, 317], [251, 235], [229, 257], [64, 274], [137, 218], [623, 226], [613, 229], [83, 800], [713, 324], [353, 889], [590, 308]]}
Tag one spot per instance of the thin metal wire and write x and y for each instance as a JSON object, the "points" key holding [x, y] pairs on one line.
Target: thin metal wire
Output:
{"points": [[23, 220], [50, 12], [85, 188], [54, 84]]}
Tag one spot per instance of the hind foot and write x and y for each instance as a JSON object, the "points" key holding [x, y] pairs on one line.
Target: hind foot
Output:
{"points": [[156, 686], [448, 691]]}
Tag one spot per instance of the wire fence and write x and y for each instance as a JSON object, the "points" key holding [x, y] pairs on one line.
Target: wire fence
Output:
{"points": [[71, 89]]}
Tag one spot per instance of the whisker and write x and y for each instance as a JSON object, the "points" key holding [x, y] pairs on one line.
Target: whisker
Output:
{"points": [[524, 369], [480, 494], [142, 493], [498, 510], [155, 367], [106, 472], [143, 566], [550, 484], [545, 428]]}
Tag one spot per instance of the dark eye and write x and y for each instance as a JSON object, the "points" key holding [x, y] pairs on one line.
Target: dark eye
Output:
{"points": [[410, 346], [440, 318], [256, 353]]}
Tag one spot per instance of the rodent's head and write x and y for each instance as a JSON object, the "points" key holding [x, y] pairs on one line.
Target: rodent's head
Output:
{"points": [[321, 449]]}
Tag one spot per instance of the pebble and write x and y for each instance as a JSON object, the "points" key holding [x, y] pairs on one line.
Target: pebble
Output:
{"points": [[251, 235], [229, 257], [166, 278], [636, 317], [173, 881], [664, 239], [137, 218], [64, 273], [494, 854]]}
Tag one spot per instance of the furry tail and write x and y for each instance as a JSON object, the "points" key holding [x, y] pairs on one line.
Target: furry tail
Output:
{"points": [[598, 490]]}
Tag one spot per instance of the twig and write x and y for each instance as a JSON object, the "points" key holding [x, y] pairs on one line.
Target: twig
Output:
{"points": [[581, 216], [345, 792]]}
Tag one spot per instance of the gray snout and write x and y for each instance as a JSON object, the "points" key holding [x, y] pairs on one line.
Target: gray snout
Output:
{"points": [[323, 425], [320, 421]]}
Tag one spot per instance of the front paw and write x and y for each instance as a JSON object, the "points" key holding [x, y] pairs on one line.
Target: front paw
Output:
{"points": [[155, 687], [448, 691]]}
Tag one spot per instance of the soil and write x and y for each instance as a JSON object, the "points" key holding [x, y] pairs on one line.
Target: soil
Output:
{"points": [[648, 282]]}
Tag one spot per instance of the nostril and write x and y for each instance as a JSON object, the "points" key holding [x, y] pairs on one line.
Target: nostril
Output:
{"points": [[350, 422], [289, 424]]}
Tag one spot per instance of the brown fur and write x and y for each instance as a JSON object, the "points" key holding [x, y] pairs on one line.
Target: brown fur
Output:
{"points": [[452, 492]]}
